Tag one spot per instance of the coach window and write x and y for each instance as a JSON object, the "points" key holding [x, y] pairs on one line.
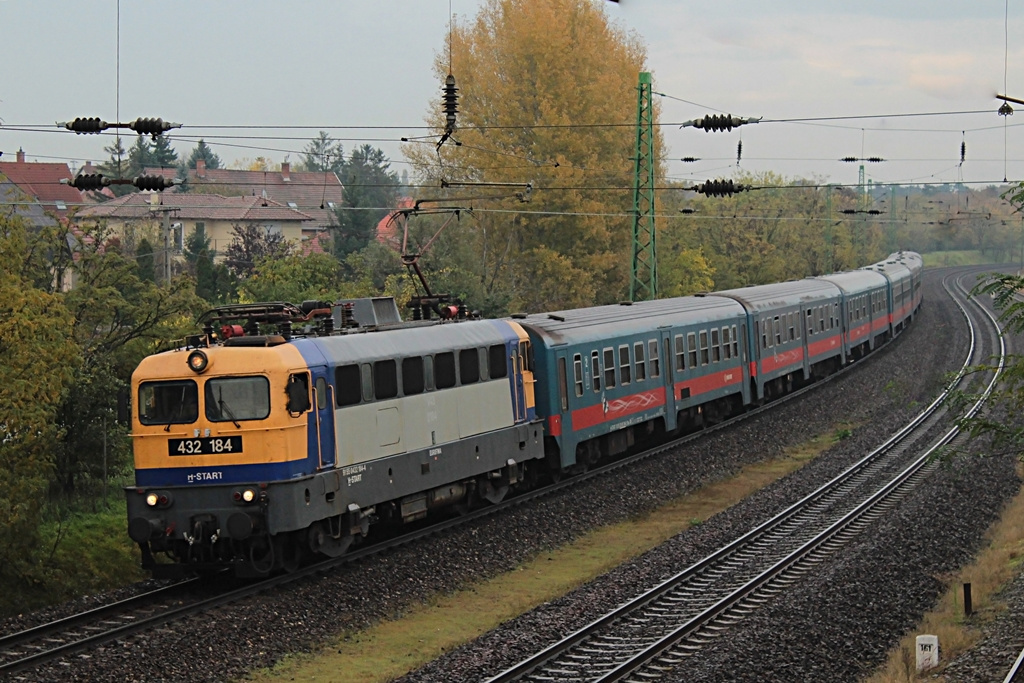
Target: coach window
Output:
{"points": [[230, 399], [691, 348], [497, 365], [764, 333], [624, 373], [778, 331], [577, 374], [638, 356], [444, 370], [680, 353], [167, 403], [704, 357], [469, 366], [726, 346], [810, 322], [346, 379], [595, 371], [412, 376], [655, 360], [716, 349], [609, 368], [735, 343], [385, 379], [792, 329], [563, 391]]}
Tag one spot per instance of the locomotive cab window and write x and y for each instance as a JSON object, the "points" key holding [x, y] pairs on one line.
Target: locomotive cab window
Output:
{"points": [[166, 403], [232, 399]]}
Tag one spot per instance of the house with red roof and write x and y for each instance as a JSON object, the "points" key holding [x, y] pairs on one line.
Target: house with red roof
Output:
{"points": [[42, 182], [139, 215], [314, 193]]}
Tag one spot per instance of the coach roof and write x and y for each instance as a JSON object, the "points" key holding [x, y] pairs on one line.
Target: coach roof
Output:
{"points": [[582, 325], [784, 294]]}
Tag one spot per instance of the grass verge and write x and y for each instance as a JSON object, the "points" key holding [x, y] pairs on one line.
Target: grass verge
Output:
{"points": [[393, 648], [993, 568], [81, 553]]}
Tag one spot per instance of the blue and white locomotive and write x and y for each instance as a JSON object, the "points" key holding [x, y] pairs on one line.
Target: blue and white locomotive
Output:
{"points": [[253, 449]]}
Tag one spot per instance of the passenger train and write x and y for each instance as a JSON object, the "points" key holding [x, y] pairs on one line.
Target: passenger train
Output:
{"points": [[285, 431]]}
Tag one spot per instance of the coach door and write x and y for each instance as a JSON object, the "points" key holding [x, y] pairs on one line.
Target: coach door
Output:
{"points": [[322, 432]]}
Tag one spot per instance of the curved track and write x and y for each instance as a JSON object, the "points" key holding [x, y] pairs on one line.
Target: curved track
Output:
{"points": [[657, 631]]}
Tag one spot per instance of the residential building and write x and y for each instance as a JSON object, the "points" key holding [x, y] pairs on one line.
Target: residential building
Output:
{"points": [[315, 194], [141, 214], [42, 182]]}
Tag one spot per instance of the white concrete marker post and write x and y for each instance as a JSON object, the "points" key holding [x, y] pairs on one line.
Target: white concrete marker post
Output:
{"points": [[927, 652]]}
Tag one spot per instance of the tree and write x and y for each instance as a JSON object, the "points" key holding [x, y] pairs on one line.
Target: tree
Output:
{"points": [[370, 193], [295, 278], [117, 319], [214, 283], [116, 166], [146, 262], [39, 361], [140, 157], [546, 87], [323, 153], [164, 155], [203, 151], [250, 244]]}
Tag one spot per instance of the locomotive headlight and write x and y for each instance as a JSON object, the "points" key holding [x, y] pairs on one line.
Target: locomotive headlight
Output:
{"points": [[197, 361], [152, 499], [248, 495]]}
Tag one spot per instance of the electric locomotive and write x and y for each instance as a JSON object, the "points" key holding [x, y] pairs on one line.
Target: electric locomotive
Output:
{"points": [[254, 449]]}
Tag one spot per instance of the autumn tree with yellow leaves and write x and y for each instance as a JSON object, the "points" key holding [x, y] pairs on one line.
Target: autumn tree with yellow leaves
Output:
{"points": [[547, 96]]}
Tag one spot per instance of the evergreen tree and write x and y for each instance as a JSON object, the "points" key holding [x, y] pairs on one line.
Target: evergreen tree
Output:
{"points": [[371, 191], [164, 155], [324, 153], [116, 166], [140, 157], [203, 151], [145, 261]]}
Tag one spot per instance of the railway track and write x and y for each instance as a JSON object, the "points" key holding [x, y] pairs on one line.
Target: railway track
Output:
{"points": [[657, 631], [35, 647]]}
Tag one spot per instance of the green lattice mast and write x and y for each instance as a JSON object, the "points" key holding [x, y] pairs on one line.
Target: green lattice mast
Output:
{"points": [[643, 284]]}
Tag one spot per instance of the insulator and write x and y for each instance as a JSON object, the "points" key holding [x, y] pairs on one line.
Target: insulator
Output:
{"points": [[963, 151], [153, 127], [89, 181], [690, 160], [848, 211], [849, 159], [875, 159], [87, 125], [451, 103], [739, 152], [717, 122], [874, 212], [718, 188], [154, 183]]}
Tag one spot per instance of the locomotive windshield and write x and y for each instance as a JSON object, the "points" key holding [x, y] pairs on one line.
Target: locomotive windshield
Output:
{"points": [[167, 403], [231, 399]]}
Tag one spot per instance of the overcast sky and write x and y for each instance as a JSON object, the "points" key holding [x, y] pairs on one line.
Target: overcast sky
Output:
{"points": [[362, 63]]}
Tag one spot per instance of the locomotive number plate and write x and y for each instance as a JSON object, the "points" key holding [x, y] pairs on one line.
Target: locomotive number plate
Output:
{"points": [[211, 445]]}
